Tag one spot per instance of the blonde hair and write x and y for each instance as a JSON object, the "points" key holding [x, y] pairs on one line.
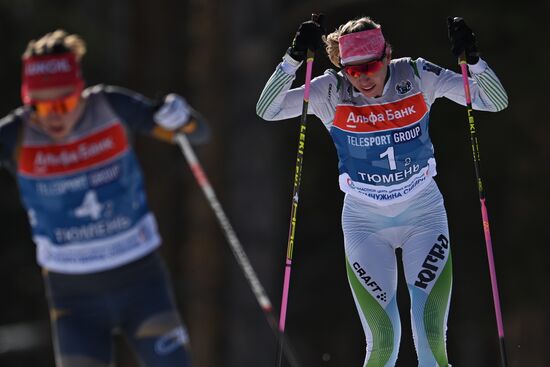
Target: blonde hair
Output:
{"points": [[356, 25], [58, 41]]}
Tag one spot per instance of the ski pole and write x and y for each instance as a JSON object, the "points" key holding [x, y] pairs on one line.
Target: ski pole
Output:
{"points": [[235, 244], [295, 194], [484, 214]]}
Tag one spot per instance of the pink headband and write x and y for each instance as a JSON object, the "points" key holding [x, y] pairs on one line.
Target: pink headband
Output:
{"points": [[49, 71], [362, 45]]}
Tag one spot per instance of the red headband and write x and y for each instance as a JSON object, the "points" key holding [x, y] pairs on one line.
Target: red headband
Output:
{"points": [[49, 71], [362, 45]]}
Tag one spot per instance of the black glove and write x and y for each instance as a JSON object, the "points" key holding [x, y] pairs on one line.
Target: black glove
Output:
{"points": [[462, 39], [309, 36]]}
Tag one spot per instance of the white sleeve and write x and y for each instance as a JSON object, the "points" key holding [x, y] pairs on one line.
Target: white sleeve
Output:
{"points": [[486, 90], [278, 102]]}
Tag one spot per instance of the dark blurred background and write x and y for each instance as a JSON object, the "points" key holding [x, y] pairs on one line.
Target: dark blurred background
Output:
{"points": [[218, 54]]}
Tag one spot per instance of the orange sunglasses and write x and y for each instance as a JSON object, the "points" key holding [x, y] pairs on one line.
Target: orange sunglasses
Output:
{"points": [[369, 68], [59, 106]]}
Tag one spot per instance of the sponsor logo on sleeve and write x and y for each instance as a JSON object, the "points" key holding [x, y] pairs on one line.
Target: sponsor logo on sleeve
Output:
{"points": [[432, 68]]}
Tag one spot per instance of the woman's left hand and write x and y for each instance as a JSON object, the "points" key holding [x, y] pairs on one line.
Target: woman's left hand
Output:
{"points": [[462, 39]]}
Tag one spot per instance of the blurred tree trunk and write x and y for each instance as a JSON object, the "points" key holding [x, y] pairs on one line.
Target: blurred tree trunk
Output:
{"points": [[252, 148], [173, 51], [203, 257]]}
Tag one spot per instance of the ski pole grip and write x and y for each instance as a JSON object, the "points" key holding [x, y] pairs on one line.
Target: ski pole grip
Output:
{"points": [[462, 58], [317, 18]]}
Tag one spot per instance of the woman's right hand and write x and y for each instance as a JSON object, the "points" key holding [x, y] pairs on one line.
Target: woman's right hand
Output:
{"points": [[308, 37]]}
